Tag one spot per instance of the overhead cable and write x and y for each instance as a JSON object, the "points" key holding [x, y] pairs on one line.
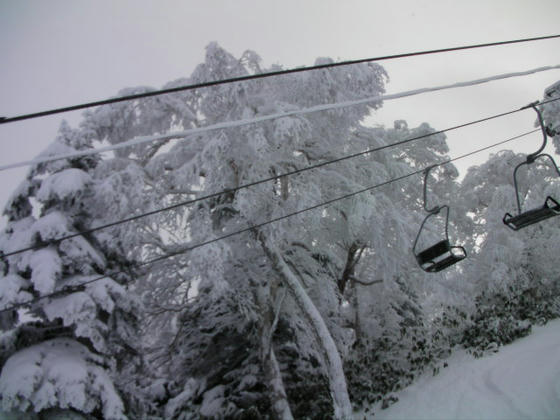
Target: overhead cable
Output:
{"points": [[183, 250], [238, 123], [261, 181], [4, 120]]}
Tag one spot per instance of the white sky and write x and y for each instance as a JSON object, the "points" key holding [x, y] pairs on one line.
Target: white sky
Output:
{"points": [[61, 52]]}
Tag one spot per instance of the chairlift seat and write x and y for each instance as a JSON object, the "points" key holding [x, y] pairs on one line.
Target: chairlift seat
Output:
{"points": [[440, 256], [549, 209]]}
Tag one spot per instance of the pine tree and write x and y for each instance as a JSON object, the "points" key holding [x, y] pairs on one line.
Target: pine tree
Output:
{"points": [[63, 351]]}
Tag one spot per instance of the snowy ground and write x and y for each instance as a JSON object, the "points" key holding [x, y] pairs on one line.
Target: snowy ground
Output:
{"points": [[521, 381]]}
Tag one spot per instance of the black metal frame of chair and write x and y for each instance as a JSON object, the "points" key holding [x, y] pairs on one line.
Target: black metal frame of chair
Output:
{"points": [[442, 254], [551, 207]]}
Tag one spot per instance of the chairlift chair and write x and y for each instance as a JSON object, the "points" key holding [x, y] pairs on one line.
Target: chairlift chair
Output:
{"points": [[442, 254], [551, 207]]}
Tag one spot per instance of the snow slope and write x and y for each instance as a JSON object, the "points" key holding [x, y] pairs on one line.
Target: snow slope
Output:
{"points": [[521, 381]]}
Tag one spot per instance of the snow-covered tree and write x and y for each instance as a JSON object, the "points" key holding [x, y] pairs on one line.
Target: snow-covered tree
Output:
{"points": [[551, 112], [326, 306], [233, 157], [295, 290], [75, 329]]}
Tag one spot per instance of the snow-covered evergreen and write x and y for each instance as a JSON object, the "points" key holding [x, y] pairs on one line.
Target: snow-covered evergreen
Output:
{"points": [[66, 350]]}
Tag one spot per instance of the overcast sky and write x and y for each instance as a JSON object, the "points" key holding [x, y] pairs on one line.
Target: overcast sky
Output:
{"points": [[61, 52]]}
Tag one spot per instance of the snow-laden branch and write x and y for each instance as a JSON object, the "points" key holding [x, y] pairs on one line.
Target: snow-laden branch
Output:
{"points": [[247, 121]]}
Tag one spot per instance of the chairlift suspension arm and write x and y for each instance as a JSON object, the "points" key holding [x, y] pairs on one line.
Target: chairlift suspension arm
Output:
{"points": [[531, 158], [435, 209]]}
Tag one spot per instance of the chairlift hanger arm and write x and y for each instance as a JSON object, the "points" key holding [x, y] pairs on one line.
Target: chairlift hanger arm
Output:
{"points": [[531, 158], [435, 209]]}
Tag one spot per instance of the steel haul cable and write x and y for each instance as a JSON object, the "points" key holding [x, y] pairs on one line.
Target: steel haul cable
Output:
{"points": [[4, 120], [251, 184], [256, 226], [238, 123]]}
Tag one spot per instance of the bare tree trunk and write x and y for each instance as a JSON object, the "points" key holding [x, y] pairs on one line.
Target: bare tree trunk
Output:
{"points": [[280, 406], [337, 381], [270, 311], [284, 187], [356, 305]]}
